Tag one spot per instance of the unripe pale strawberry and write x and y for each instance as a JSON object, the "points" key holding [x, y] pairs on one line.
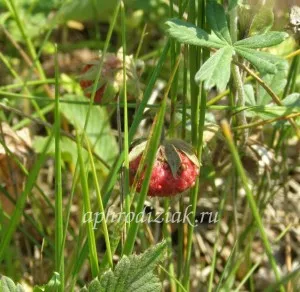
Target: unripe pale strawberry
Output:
{"points": [[175, 169]]}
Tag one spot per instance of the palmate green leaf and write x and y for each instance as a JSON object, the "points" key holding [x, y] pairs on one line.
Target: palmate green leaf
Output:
{"points": [[275, 81], [216, 70], [133, 273], [188, 33], [98, 130], [263, 62], [216, 18], [265, 40]]}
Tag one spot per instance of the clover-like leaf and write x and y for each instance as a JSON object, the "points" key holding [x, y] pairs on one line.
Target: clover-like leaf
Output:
{"points": [[133, 273], [216, 18], [216, 70], [262, 61], [190, 34], [265, 40]]}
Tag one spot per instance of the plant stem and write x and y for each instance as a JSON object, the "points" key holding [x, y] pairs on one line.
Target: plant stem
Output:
{"points": [[250, 198], [237, 78]]}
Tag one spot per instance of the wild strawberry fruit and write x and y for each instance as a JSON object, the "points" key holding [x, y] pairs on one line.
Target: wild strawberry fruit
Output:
{"points": [[111, 78], [175, 169], [87, 86]]}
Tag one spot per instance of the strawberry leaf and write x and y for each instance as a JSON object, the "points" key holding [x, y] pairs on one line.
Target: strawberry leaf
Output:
{"points": [[265, 40], [263, 62], [188, 33], [216, 18], [173, 158], [133, 273], [216, 70], [98, 128]]}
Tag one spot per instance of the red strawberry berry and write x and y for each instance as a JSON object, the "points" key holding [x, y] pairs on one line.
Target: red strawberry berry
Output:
{"points": [[174, 170]]}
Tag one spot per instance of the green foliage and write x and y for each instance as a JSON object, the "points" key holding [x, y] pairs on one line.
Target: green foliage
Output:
{"points": [[98, 130], [34, 16], [232, 4], [264, 62], [68, 148], [188, 33], [292, 100], [216, 70], [275, 81], [262, 21], [217, 20], [249, 95], [86, 10], [133, 273], [265, 40], [51, 286], [8, 285]]}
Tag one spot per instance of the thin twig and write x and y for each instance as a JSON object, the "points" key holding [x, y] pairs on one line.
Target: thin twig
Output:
{"points": [[260, 123]]}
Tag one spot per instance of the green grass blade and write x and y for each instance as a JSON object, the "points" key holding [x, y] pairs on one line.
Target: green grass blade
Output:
{"points": [[59, 248], [16, 217], [251, 201], [125, 110], [87, 208], [100, 203]]}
